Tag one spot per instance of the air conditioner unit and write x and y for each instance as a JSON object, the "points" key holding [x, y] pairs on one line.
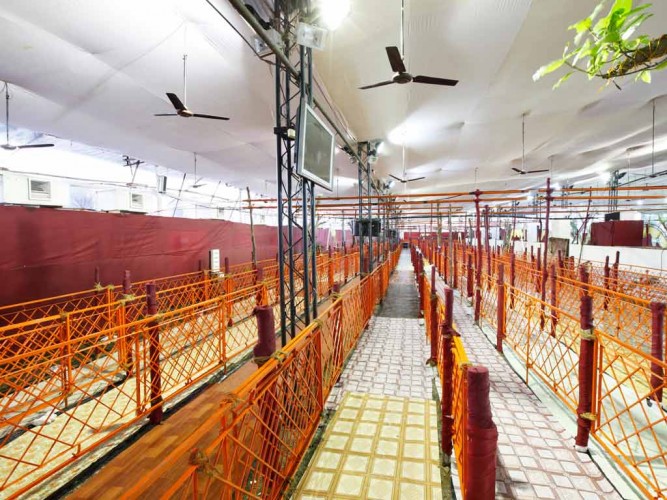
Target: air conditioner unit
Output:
{"points": [[137, 202], [39, 190], [20, 189]]}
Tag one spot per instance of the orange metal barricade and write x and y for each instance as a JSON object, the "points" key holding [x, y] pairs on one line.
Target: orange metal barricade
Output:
{"points": [[627, 414], [264, 427], [86, 368]]}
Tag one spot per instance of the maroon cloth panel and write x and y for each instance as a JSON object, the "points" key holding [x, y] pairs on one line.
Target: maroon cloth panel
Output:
{"points": [[617, 233], [48, 252]]}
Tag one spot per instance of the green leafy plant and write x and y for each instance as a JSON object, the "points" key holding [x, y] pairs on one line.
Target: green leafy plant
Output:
{"points": [[605, 47]]}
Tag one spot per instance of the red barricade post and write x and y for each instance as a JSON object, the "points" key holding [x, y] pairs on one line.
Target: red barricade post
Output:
{"points": [[266, 334], [657, 349], [585, 416], [482, 445], [433, 334], [554, 299], [606, 282], [447, 333], [500, 328], [155, 416], [469, 278]]}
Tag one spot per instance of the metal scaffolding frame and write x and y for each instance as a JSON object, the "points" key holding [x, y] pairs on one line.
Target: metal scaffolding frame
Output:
{"points": [[296, 197], [365, 206]]}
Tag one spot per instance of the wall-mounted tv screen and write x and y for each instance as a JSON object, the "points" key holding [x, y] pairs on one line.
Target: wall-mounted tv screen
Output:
{"points": [[316, 147]]}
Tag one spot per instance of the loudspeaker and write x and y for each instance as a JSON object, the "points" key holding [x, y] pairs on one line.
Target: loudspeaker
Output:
{"points": [[363, 228], [612, 216]]}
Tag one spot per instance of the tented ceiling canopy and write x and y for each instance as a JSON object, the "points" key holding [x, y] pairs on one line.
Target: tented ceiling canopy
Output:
{"points": [[97, 72]]}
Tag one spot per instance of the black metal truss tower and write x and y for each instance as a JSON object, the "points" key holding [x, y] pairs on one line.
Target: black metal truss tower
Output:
{"points": [[296, 197], [365, 207]]}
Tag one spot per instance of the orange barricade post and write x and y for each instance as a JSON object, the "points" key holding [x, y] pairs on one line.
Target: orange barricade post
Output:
{"points": [[330, 269], [448, 368], [512, 277], [500, 327], [155, 416], [657, 349]]}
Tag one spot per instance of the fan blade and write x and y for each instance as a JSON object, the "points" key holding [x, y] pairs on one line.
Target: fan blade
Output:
{"points": [[26, 146], [395, 59], [381, 84], [211, 117], [434, 81], [536, 171], [175, 101], [518, 171], [397, 178], [165, 114], [415, 179]]}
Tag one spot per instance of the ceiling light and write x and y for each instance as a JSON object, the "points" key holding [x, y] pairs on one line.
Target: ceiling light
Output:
{"points": [[640, 202], [604, 176], [555, 186], [397, 136], [333, 12]]}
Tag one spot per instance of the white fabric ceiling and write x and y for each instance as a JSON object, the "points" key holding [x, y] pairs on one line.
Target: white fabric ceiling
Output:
{"points": [[96, 72]]}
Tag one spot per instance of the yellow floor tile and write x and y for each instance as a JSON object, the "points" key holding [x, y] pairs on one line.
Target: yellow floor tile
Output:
{"points": [[349, 484], [379, 448]]}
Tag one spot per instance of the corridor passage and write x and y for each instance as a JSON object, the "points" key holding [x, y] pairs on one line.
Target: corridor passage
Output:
{"points": [[382, 442], [536, 456]]}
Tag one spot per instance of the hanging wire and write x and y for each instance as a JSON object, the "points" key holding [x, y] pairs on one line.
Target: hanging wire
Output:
{"points": [[653, 142], [523, 140]]}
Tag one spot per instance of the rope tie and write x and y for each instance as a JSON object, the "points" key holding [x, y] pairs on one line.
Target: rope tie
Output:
{"points": [[231, 398], [199, 459], [588, 334]]}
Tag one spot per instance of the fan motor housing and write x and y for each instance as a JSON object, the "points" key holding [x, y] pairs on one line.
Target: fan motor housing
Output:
{"points": [[402, 78]]}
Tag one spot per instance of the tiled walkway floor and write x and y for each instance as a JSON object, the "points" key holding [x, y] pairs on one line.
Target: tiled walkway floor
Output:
{"points": [[383, 440], [536, 456]]}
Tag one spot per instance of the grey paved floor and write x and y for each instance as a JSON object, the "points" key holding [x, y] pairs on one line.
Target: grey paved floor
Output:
{"points": [[536, 456], [390, 358]]}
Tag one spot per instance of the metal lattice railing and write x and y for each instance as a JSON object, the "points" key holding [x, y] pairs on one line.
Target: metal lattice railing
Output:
{"points": [[100, 361], [264, 427]]}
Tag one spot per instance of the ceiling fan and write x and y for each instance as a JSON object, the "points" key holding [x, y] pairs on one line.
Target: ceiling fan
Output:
{"points": [[406, 180], [401, 75], [180, 107], [522, 170], [11, 147]]}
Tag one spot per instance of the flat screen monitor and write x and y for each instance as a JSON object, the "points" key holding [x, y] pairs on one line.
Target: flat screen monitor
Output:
{"points": [[316, 148]]}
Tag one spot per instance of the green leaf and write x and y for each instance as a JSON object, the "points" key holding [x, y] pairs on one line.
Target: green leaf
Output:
{"points": [[660, 66], [562, 80], [582, 25], [598, 9], [552, 66], [645, 76], [625, 5]]}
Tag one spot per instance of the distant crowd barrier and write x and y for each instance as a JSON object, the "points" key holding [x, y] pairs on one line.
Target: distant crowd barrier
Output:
{"points": [[598, 348]]}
